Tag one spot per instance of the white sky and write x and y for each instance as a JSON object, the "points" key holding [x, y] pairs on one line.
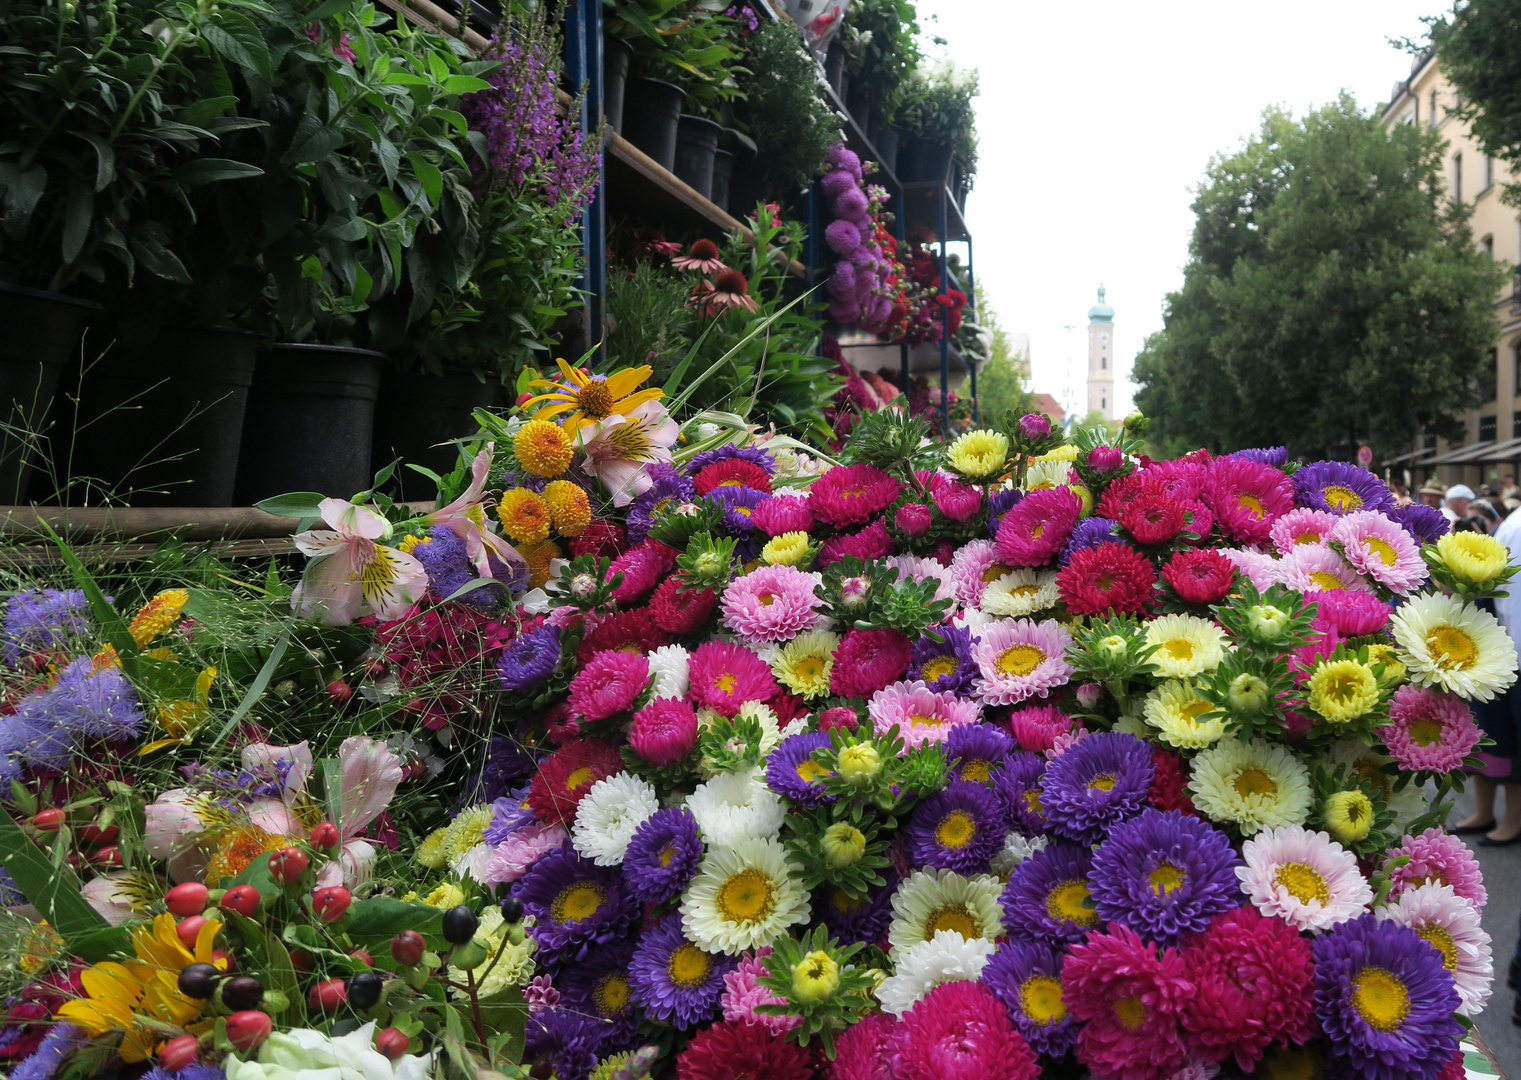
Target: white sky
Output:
{"points": [[1098, 117]]}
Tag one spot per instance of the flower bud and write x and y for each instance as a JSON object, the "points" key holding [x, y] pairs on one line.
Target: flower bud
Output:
{"points": [[1349, 816], [815, 978], [1034, 426], [1089, 693], [913, 519], [843, 844], [1112, 647], [860, 763], [841, 716], [1247, 695], [1266, 621], [1105, 459]]}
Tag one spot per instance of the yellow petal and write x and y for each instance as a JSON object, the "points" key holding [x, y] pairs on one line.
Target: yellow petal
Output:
{"points": [[621, 382], [572, 375]]}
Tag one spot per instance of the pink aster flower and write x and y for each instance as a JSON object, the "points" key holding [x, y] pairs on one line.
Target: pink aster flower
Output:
{"points": [[1350, 614], [540, 993], [1304, 878], [725, 676], [608, 684], [1247, 497], [841, 716], [1020, 659], [867, 660], [642, 568], [1381, 549], [1436, 858], [1311, 568], [1037, 526], [1132, 999], [960, 1029], [863, 1051], [783, 514], [772, 603], [913, 519], [1037, 727], [852, 494], [1261, 570], [917, 568], [1300, 526], [664, 731], [742, 994], [974, 568], [957, 501], [869, 543], [1429, 730], [515, 856], [920, 714]]}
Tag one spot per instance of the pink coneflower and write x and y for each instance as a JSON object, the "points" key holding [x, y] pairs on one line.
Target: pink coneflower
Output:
{"points": [[867, 660], [1020, 659], [725, 676], [1132, 999], [608, 684], [974, 568], [960, 1029], [1300, 526], [742, 994], [850, 494], [1247, 497], [664, 731], [1429, 730], [1036, 527], [702, 257], [783, 514], [728, 290], [1381, 549], [1350, 614], [920, 714], [515, 856], [1312, 568], [869, 543], [772, 603], [1037, 727], [1436, 858]]}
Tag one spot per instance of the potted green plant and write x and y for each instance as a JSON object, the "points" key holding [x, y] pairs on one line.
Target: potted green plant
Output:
{"points": [[784, 115], [938, 117], [880, 36]]}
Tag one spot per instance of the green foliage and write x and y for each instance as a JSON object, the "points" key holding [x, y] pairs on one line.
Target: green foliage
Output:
{"points": [[1476, 44], [1333, 295], [937, 105], [881, 36], [688, 42], [1108, 649], [784, 111], [812, 836], [820, 984], [707, 561], [874, 597]]}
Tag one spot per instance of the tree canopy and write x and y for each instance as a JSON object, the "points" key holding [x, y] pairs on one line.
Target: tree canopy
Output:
{"points": [[1479, 46], [1333, 295]]}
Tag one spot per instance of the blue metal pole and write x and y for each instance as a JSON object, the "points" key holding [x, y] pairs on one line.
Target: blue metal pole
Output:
{"points": [[902, 247], [945, 320]]}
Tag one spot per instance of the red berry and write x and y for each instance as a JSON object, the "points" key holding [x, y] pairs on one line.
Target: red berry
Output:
{"points": [[330, 903], [392, 1043], [523, 399], [94, 834], [49, 820], [364, 955], [325, 836], [287, 865], [179, 1052], [327, 996], [106, 856], [186, 900], [187, 929], [227, 960], [339, 690], [407, 948], [301, 960], [244, 899], [247, 1029]]}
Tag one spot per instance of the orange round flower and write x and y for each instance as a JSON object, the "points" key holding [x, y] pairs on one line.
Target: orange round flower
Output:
{"points": [[568, 507], [538, 557], [543, 448], [524, 515]]}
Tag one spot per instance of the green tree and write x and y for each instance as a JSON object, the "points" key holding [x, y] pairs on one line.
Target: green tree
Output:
{"points": [[1333, 295], [1001, 382], [1479, 46]]}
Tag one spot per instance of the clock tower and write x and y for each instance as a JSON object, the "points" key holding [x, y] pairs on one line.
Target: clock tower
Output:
{"points": [[1101, 357]]}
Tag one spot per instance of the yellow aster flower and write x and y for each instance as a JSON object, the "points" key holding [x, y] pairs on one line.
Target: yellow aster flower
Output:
{"points": [[1342, 690], [1186, 645], [569, 508], [1349, 816], [1388, 655], [1174, 710], [543, 448], [979, 454], [1067, 452], [157, 615], [1473, 557], [589, 398], [466, 830], [539, 556], [788, 549], [805, 664], [524, 515], [433, 851], [815, 977]]}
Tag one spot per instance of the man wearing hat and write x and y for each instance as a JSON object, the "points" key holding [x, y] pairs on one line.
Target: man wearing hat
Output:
{"points": [[1455, 505], [1432, 492]]}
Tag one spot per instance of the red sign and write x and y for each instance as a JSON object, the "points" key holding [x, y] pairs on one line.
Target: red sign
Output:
{"points": [[1365, 456]]}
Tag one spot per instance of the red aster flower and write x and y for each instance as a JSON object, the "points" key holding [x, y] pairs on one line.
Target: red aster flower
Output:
{"points": [[642, 568], [960, 1029], [1169, 782], [1153, 521], [732, 1048], [1131, 999], [1202, 576], [564, 777], [601, 538], [851, 494], [1120, 494], [1108, 577], [872, 542], [631, 631], [732, 472], [868, 660], [679, 608]]}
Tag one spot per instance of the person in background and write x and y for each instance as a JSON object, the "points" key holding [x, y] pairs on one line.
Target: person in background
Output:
{"points": [[1508, 488], [1432, 492], [1482, 512], [1401, 493], [1455, 502]]}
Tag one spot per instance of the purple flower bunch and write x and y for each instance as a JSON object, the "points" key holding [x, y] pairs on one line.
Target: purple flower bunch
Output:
{"points": [[859, 288]]}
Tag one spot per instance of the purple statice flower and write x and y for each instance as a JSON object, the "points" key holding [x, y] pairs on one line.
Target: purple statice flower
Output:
{"points": [[753, 454], [1263, 455], [945, 665], [1164, 875], [669, 487], [563, 882], [958, 828], [1095, 784], [88, 703], [444, 557], [564, 1040], [1020, 971], [976, 751], [1339, 487], [791, 771], [55, 1045], [745, 15], [1415, 1040], [1018, 786], [857, 920], [662, 855], [999, 504], [600, 987], [1426, 524], [675, 980], [45, 619], [1045, 897], [510, 813], [189, 1072], [1087, 533], [531, 659]]}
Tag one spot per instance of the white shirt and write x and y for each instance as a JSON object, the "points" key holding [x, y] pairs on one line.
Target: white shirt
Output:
{"points": [[1508, 608]]}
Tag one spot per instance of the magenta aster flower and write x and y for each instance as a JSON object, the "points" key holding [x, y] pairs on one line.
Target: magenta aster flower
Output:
{"points": [[852, 494], [1020, 659], [1382, 550], [920, 714], [957, 501], [609, 684], [1131, 999], [872, 542], [1247, 497], [725, 676], [863, 1051], [974, 567], [1350, 614], [1429, 730], [1436, 857], [664, 731], [1033, 531], [783, 514], [960, 1029], [1037, 727], [868, 660], [771, 603]]}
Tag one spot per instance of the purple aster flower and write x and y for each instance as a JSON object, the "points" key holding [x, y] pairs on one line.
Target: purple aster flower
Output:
{"points": [[599, 986], [36, 620], [944, 665], [508, 761], [662, 855], [512, 812], [791, 771], [675, 980], [1045, 899], [1339, 487], [976, 751], [1019, 788], [1385, 1001], [669, 487], [1095, 784], [531, 659], [856, 920], [578, 905], [753, 454], [444, 557], [1027, 977], [1164, 874], [189, 1072], [9, 894], [50, 1052], [1088, 533], [565, 1040], [1263, 455], [958, 828], [1425, 523], [738, 500], [88, 702], [999, 504]]}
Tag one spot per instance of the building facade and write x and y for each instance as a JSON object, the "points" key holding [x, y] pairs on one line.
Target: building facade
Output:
{"points": [[1101, 357], [1491, 443]]}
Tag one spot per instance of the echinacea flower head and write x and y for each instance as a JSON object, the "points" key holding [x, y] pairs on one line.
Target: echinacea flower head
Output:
{"points": [[723, 677], [852, 494], [979, 454], [1036, 528], [588, 398], [1164, 875], [920, 714], [1451, 926], [1455, 646], [1252, 785], [1385, 1001], [791, 771], [732, 1049], [1186, 645], [1436, 858], [1304, 878], [771, 603], [1429, 730], [958, 828], [744, 896], [675, 980], [929, 901], [1247, 497], [609, 683], [1131, 999], [577, 905], [1303, 526], [662, 855], [1379, 548], [608, 816], [1176, 710], [1342, 691], [1048, 897], [947, 957], [703, 256], [944, 665], [1027, 977], [1020, 659], [1095, 784], [867, 661], [960, 1029], [1111, 577], [1339, 487]]}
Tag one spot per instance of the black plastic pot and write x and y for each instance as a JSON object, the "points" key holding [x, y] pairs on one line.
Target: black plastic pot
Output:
{"points": [[696, 143], [165, 422], [748, 186], [617, 54], [723, 171], [859, 103], [885, 139], [41, 337], [834, 68], [310, 419], [651, 116], [925, 159], [416, 411]]}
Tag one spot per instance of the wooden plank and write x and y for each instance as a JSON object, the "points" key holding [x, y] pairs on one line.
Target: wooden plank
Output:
{"points": [[432, 17], [98, 554], [22, 523]]}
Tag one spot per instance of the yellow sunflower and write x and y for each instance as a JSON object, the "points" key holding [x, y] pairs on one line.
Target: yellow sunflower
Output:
{"points": [[590, 398]]}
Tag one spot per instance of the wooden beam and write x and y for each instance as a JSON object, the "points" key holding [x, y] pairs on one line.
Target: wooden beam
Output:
{"points": [[23, 523]]}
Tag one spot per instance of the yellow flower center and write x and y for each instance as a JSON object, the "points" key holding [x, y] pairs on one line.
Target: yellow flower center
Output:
{"points": [[1131, 1011], [1441, 941], [1341, 499], [844, 903], [808, 669], [766, 599], [1032, 801], [688, 966], [745, 897], [1251, 782], [1307, 538], [578, 777], [1165, 878], [612, 993], [1325, 580], [1040, 997], [921, 720], [1426, 732], [1102, 782], [956, 830], [1303, 882], [938, 668], [667, 853], [1024, 590], [595, 399], [809, 770], [1380, 998], [1064, 903], [1195, 709], [1251, 503], [1020, 659], [1179, 649], [725, 682], [1382, 548], [1039, 528], [1451, 648], [976, 770], [996, 571], [952, 917], [576, 902]]}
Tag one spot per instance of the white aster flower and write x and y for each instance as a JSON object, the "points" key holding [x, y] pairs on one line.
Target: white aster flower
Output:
{"points": [[668, 672], [1447, 643], [1451, 924], [1186, 645], [947, 957], [1021, 593], [1048, 474], [736, 806], [506, 964], [1305, 878], [1017, 847], [934, 900], [472, 863], [745, 896], [608, 815], [303, 1054], [1255, 784]]}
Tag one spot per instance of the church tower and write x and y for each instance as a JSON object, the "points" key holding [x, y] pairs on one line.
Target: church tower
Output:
{"points": [[1101, 357]]}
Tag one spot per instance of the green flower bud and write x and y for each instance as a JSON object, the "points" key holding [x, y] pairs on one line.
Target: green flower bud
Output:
{"points": [[843, 844]]}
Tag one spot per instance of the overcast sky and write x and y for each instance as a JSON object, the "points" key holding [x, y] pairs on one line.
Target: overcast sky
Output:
{"points": [[1098, 118]]}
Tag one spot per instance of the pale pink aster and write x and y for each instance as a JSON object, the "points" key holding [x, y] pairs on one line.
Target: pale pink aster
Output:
{"points": [[1020, 659], [1302, 526], [742, 994], [610, 683], [1453, 926], [1066, 741], [918, 568], [921, 715], [1305, 878], [1436, 858], [1381, 549], [540, 993], [974, 568], [1261, 570], [1429, 730], [515, 856], [772, 603], [1312, 568], [1037, 727]]}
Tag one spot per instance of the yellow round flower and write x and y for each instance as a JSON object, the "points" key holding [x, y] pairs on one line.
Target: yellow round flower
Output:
{"points": [[432, 852], [1066, 452], [843, 844], [805, 664], [467, 830], [1456, 646], [569, 508], [543, 448], [1343, 690], [524, 515], [1186, 645], [815, 977], [539, 556], [788, 549], [1473, 557], [1257, 784], [980, 454], [1379, 653], [1349, 816], [1174, 710]]}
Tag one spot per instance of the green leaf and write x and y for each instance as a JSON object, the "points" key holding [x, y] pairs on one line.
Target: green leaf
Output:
{"points": [[465, 84], [203, 112], [159, 260], [314, 141], [210, 170], [383, 917], [429, 176], [239, 39], [256, 688], [105, 160], [77, 215], [52, 890], [295, 504]]}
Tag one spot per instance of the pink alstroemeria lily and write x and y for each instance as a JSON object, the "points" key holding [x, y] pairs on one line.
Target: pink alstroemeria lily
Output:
{"points": [[619, 448], [352, 575], [466, 516]]}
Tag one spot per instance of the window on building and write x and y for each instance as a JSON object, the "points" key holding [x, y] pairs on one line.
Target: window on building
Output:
{"points": [[1428, 443], [1103, 402], [1515, 426], [1487, 428], [1489, 172], [1457, 177], [1432, 112], [1490, 383], [1104, 363], [1488, 244]]}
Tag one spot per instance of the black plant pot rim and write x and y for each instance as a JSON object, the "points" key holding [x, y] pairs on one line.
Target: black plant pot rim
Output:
{"points": [[693, 118], [48, 294], [658, 82], [318, 347]]}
